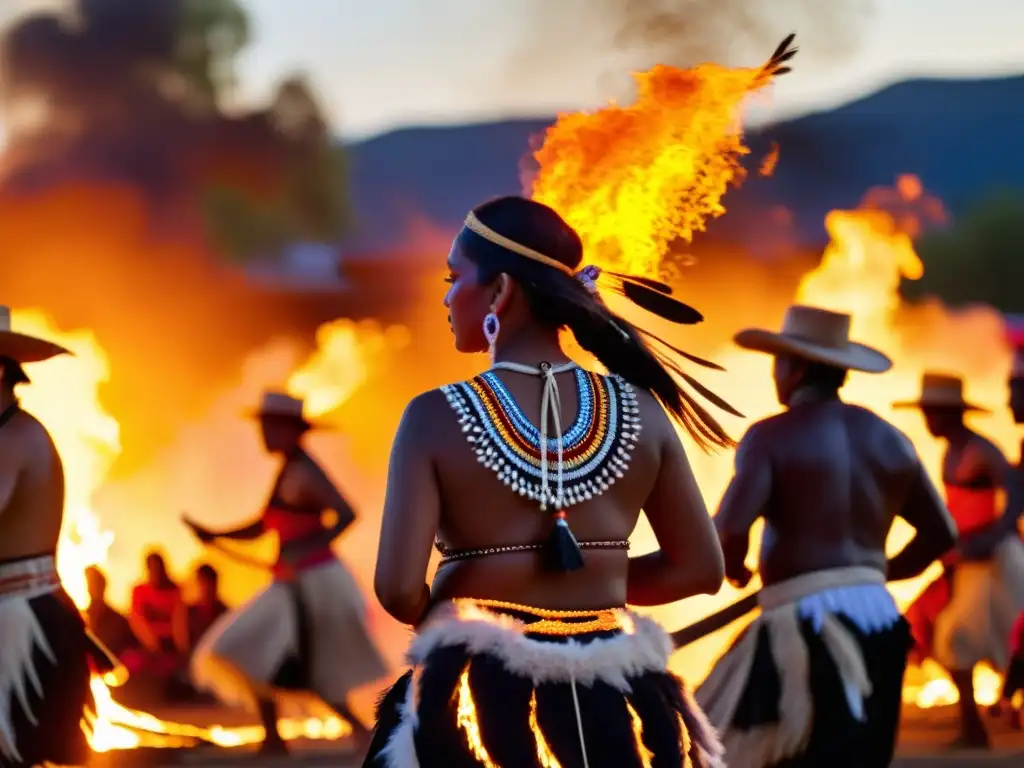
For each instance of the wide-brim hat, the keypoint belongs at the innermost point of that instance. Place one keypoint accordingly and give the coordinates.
(280, 405)
(939, 390)
(817, 335)
(22, 348)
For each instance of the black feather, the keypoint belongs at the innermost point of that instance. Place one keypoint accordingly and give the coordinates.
(703, 391)
(782, 54)
(654, 285)
(661, 305)
(708, 395)
(676, 350)
(781, 49)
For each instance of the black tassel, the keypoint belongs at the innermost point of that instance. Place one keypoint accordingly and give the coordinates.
(660, 304)
(561, 552)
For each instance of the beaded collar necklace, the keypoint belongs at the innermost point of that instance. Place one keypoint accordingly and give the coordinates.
(560, 470)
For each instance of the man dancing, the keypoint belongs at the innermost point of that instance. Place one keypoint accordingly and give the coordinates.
(966, 616)
(817, 678)
(45, 649)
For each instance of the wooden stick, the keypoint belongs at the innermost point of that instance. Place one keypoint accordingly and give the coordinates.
(716, 621)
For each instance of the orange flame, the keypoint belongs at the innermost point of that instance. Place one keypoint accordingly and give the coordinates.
(769, 161)
(632, 180)
(468, 721)
(545, 756)
(64, 395)
(870, 250)
(645, 755)
(346, 354)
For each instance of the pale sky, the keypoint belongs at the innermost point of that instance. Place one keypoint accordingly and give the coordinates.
(381, 63)
(377, 64)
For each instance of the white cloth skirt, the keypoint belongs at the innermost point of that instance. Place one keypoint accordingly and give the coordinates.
(985, 600)
(257, 638)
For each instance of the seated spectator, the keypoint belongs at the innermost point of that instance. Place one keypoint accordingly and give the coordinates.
(109, 626)
(194, 619)
(154, 603)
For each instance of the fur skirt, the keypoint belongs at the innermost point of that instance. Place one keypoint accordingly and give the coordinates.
(816, 679)
(496, 684)
(47, 658)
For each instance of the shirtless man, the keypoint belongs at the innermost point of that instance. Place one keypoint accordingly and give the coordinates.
(44, 646)
(971, 607)
(817, 678)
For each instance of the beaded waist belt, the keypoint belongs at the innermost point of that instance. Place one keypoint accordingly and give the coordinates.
(543, 621)
(28, 577)
(449, 555)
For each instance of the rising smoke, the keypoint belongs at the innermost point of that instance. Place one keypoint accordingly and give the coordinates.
(134, 93)
(119, 134)
(617, 36)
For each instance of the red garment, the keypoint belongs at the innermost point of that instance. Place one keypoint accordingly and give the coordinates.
(921, 616)
(156, 607)
(1017, 637)
(971, 508)
(294, 525)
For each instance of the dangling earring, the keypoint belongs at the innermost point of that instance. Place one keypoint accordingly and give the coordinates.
(492, 326)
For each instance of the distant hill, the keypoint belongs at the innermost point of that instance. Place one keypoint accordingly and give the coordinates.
(964, 138)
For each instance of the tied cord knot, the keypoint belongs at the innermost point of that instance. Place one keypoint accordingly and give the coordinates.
(562, 551)
(550, 411)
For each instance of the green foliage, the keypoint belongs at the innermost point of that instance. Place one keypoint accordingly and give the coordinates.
(312, 206)
(309, 197)
(211, 34)
(979, 259)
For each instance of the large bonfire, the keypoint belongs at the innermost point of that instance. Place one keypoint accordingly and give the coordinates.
(638, 180)
(65, 395)
(634, 180)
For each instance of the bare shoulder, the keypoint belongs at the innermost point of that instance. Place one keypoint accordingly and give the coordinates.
(881, 438)
(983, 449)
(656, 423)
(32, 439)
(762, 434)
(428, 417)
(305, 469)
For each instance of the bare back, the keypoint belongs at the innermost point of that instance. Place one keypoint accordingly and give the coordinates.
(478, 511)
(31, 489)
(839, 476)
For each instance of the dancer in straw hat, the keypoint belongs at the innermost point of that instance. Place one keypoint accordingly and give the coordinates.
(46, 653)
(965, 617)
(308, 629)
(816, 679)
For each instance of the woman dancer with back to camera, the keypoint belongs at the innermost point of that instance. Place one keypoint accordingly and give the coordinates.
(531, 477)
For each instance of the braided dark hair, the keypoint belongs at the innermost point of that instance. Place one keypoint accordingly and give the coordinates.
(559, 300)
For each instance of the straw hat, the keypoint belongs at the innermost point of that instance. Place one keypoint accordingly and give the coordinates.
(816, 335)
(22, 348)
(939, 390)
(280, 405)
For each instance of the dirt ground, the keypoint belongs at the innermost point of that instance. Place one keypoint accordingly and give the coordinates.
(921, 744)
